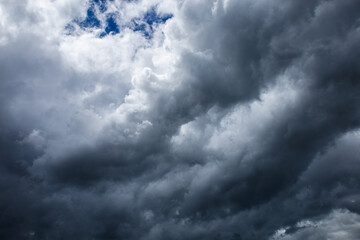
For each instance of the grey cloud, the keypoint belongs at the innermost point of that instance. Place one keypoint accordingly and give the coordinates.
(330, 227)
(136, 162)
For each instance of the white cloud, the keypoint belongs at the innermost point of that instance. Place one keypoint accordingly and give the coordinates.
(339, 224)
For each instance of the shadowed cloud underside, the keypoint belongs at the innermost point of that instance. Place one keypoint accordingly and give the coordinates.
(172, 120)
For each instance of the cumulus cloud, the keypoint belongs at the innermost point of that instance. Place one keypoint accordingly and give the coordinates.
(218, 119)
(340, 224)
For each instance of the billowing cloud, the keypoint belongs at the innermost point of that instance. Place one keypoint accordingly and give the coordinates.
(218, 119)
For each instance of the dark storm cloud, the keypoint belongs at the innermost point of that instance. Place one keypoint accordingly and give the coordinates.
(168, 163)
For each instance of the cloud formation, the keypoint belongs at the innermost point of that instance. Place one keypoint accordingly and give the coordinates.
(218, 119)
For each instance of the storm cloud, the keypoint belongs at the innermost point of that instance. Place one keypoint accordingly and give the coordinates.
(190, 119)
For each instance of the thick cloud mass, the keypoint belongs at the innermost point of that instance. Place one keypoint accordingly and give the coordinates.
(190, 119)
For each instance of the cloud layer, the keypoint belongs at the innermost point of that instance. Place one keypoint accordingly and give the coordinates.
(218, 119)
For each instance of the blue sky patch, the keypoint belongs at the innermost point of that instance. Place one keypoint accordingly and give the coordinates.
(150, 19)
(100, 3)
(91, 20)
(142, 27)
(145, 24)
(111, 25)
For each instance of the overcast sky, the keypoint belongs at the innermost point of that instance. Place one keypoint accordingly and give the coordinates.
(179, 119)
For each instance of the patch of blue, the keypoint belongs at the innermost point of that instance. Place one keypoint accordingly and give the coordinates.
(111, 25)
(103, 34)
(145, 24)
(150, 19)
(142, 27)
(100, 3)
(91, 20)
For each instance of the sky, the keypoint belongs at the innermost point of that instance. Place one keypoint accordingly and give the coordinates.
(179, 119)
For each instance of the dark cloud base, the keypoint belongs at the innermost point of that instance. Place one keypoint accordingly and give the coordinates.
(303, 165)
